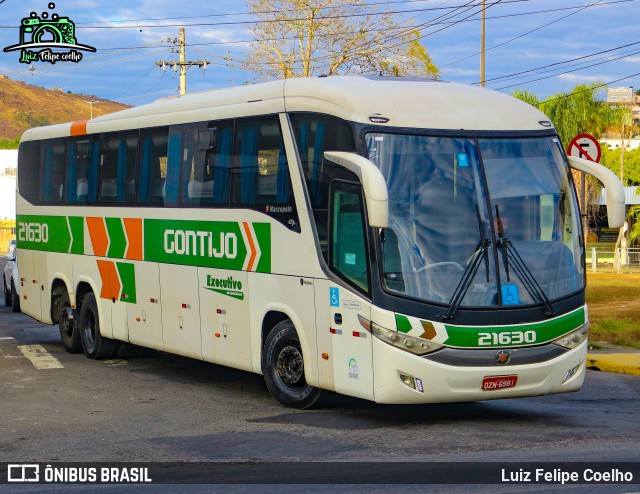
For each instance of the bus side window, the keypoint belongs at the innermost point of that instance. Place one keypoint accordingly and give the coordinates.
(261, 178)
(175, 157)
(28, 164)
(152, 171)
(52, 169)
(81, 164)
(205, 177)
(315, 134)
(118, 162)
(348, 252)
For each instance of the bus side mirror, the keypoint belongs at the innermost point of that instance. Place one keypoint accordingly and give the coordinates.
(614, 190)
(373, 183)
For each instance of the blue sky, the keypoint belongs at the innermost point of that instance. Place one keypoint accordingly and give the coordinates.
(527, 35)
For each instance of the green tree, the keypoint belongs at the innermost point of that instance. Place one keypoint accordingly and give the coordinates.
(527, 97)
(634, 221)
(303, 38)
(577, 112)
(581, 111)
(611, 159)
(9, 143)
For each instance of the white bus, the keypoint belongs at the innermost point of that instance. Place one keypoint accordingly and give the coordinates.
(396, 240)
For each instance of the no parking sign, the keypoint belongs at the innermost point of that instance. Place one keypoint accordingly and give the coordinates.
(585, 146)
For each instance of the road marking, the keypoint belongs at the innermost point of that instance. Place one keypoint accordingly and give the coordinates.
(39, 357)
(116, 362)
(7, 338)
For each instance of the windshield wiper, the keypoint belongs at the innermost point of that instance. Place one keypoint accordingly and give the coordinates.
(511, 255)
(481, 253)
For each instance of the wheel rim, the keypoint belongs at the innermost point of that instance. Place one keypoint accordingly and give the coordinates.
(290, 367)
(90, 330)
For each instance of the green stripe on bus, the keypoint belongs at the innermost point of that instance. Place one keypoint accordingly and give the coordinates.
(128, 278)
(76, 224)
(402, 323)
(211, 244)
(263, 234)
(117, 239)
(545, 331)
(47, 233)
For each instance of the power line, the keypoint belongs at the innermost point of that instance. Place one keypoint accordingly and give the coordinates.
(95, 25)
(567, 71)
(528, 32)
(509, 76)
(592, 88)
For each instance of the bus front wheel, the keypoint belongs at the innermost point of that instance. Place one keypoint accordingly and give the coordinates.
(283, 368)
(95, 345)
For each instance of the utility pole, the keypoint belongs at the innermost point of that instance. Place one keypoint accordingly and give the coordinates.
(182, 64)
(482, 47)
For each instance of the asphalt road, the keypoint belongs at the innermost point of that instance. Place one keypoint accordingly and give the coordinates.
(163, 408)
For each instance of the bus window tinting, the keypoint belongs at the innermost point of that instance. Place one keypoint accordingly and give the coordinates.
(118, 160)
(28, 164)
(152, 169)
(82, 153)
(187, 165)
(52, 171)
(260, 171)
(315, 134)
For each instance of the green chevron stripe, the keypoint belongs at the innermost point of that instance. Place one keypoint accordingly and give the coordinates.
(76, 224)
(117, 238)
(128, 278)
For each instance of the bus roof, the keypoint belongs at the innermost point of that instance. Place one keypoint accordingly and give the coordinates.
(414, 103)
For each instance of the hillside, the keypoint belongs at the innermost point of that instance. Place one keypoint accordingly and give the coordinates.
(23, 106)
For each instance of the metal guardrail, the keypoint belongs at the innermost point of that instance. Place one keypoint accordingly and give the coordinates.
(613, 260)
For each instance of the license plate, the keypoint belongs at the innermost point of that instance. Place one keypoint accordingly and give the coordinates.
(498, 382)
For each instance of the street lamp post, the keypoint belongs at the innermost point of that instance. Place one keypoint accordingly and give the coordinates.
(91, 103)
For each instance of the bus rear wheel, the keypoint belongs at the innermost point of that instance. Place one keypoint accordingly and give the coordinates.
(283, 368)
(95, 345)
(69, 332)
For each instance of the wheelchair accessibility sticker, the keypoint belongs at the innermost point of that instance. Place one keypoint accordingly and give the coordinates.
(334, 297)
(510, 294)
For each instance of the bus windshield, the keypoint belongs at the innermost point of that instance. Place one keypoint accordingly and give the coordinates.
(478, 222)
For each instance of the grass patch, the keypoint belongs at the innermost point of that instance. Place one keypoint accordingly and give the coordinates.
(614, 308)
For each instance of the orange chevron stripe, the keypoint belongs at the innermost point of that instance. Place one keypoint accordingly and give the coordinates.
(252, 246)
(99, 237)
(133, 228)
(110, 282)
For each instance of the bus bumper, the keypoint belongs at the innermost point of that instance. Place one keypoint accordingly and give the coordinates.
(397, 371)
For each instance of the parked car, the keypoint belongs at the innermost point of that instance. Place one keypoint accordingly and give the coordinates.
(11, 282)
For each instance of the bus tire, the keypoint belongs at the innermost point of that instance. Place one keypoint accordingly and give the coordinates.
(283, 368)
(95, 345)
(69, 332)
(15, 299)
(7, 295)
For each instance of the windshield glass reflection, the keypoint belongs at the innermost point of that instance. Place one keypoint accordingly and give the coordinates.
(442, 219)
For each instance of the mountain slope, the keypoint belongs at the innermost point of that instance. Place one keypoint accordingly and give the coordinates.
(23, 106)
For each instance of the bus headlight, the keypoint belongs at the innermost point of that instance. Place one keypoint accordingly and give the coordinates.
(574, 338)
(411, 344)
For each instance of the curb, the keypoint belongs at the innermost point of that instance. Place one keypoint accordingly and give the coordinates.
(621, 363)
